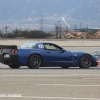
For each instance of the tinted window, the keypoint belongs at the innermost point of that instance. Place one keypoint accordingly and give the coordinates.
(51, 47)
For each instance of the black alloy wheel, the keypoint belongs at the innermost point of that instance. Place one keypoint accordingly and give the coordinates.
(85, 61)
(35, 61)
(14, 66)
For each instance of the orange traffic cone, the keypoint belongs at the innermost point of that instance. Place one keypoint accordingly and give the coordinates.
(98, 61)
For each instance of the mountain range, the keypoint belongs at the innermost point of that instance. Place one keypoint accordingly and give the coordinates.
(37, 14)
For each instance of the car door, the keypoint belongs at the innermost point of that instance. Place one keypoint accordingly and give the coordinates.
(56, 56)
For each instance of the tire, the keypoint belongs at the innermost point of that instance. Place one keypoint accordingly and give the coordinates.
(65, 67)
(34, 62)
(85, 61)
(14, 66)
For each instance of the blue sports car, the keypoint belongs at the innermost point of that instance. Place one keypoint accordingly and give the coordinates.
(44, 54)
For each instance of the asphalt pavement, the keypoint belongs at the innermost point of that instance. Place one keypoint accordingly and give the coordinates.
(50, 83)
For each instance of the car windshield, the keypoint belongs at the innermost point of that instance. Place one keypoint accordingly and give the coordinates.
(28, 45)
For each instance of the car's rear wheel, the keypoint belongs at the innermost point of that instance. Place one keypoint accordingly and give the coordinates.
(35, 61)
(14, 66)
(85, 61)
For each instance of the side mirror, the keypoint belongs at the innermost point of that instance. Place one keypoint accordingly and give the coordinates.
(63, 50)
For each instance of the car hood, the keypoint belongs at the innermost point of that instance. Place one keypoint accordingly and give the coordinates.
(82, 53)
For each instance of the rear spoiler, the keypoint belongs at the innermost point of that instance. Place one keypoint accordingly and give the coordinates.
(8, 46)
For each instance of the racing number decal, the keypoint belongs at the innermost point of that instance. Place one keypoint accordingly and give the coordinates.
(40, 46)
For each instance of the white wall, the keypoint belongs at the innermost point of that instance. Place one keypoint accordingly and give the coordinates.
(61, 42)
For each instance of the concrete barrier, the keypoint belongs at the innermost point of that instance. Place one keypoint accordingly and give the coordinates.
(61, 42)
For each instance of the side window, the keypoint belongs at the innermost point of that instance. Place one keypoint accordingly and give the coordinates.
(51, 47)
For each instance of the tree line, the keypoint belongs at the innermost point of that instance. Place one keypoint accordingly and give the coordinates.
(26, 34)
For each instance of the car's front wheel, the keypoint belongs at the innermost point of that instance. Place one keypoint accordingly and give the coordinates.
(35, 61)
(14, 66)
(85, 61)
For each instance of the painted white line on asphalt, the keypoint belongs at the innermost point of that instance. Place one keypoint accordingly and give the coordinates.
(61, 98)
(69, 85)
(65, 75)
(92, 78)
(38, 97)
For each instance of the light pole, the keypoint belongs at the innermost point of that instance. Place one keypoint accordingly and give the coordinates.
(87, 29)
(75, 27)
(58, 29)
(80, 26)
(6, 28)
(41, 23)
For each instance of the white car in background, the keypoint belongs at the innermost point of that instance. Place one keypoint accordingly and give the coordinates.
(96, 54)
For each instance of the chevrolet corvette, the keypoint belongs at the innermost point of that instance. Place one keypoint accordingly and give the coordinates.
(44, 54)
